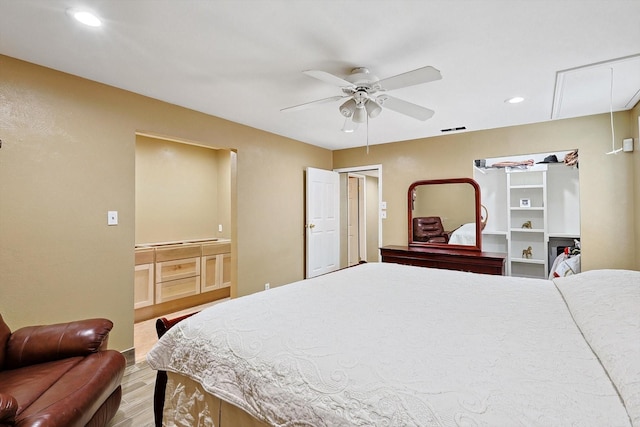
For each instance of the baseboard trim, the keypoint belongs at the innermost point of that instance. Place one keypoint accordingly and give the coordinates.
(130, 356)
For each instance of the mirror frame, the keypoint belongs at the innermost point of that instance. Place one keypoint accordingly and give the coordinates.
(476, 187)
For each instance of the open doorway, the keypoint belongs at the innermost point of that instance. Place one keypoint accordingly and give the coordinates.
(361, 224)
(183, 229)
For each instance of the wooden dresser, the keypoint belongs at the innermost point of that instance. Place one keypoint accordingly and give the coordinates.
(448, 259)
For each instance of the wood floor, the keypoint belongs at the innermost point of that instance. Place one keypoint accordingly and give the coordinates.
(136, 408)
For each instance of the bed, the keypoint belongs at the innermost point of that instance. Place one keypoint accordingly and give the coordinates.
(464, 235)
(384, 344)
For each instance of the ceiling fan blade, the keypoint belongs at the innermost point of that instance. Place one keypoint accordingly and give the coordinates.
(328, 78)
(403, 107)
(411, 78)
(314, 103)
(349, 125)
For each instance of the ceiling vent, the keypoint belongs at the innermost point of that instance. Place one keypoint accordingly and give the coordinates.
(453, 129)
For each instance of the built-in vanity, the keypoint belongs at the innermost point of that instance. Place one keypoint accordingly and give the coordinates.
(445, 229)
(171, 276)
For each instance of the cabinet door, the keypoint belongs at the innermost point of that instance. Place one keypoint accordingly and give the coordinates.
(143, 286)
(225, 273)
(210, 273)
(216, 272)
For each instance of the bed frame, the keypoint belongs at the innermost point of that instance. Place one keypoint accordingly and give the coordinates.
(162, 326)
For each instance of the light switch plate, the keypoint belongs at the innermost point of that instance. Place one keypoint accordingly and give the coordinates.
(383, 205)
(383, 214)
(112, 218)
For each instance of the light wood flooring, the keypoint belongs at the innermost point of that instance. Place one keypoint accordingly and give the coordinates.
(136, 408)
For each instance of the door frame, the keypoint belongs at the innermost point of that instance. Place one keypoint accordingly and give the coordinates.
(368, 168)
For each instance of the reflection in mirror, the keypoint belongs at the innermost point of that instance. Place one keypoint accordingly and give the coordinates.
(533, 201)
(443, 213)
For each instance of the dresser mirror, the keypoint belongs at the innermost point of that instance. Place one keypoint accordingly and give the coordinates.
(445, 213)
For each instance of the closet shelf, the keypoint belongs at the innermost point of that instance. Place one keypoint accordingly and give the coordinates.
(534, 208)
(528, 260)
(527, 230)
(526, 186)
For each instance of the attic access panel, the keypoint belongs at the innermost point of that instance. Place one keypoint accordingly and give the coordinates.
(588, 90)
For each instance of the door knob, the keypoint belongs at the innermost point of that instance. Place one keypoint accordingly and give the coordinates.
(311, 225)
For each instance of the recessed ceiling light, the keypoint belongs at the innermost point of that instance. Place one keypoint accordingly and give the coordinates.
(87, 18)
(514, 100)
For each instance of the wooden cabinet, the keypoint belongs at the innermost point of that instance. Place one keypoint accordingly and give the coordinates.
(216, 266)
(173, 276)
(448, 259)
(143, 286)
(177, 272)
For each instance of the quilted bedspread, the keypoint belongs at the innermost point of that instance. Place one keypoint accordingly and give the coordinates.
(391, 345)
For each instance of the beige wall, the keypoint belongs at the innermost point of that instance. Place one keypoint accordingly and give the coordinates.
(608, 187)
(635, 133)
(68, 156)
(176, 191)
(373, 209)
(224, 169)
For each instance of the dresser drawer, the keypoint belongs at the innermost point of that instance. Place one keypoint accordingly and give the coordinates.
(178, 252)
(177, 269)
(144, 256)
(216, 248)
(175, 289)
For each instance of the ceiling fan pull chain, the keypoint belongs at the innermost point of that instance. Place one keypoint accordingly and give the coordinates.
(367, 134)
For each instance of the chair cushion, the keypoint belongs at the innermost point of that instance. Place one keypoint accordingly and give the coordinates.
(75, 398)
(27, 384)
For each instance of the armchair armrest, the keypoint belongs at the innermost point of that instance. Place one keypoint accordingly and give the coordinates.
(38, 344)
(8, 409)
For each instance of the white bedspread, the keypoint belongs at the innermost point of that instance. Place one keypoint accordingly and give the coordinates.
(464, 235)
(390, 345)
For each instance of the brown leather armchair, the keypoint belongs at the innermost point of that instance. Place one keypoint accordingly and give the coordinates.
(429, 229)
(59, 375)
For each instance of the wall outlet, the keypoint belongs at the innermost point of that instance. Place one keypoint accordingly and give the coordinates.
(267, 286)
(220, 228)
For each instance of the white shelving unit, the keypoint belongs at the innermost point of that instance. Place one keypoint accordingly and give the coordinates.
(527, 204)
(554, 211)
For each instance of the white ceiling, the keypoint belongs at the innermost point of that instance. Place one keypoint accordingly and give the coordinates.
(243, 60)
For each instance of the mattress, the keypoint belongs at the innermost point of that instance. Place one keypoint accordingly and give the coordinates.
(393, 345)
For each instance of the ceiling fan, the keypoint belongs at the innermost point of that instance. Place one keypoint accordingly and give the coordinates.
(367, 94)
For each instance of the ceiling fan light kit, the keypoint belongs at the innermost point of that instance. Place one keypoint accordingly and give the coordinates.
(361, 87)
(348, 108)
(373, 109)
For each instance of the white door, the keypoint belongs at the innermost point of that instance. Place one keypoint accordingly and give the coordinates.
(322, 222)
